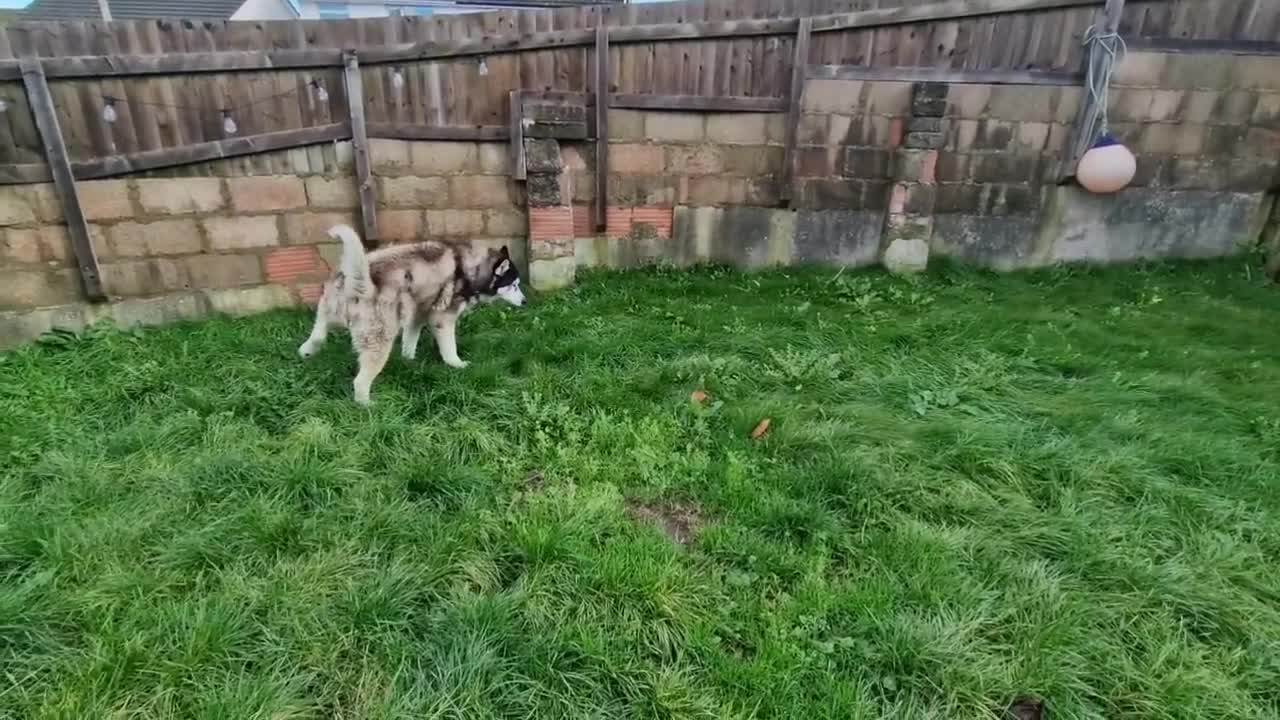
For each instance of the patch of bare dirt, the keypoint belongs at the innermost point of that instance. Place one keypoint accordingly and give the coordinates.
(680, 521)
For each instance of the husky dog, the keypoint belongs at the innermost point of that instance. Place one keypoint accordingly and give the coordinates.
(399, 289)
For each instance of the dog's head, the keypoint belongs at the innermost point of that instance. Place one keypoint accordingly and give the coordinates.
(504, 280)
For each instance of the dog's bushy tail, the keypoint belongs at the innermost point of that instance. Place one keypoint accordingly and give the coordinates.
(355, 266)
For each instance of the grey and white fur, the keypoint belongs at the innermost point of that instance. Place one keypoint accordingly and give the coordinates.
(397, 290)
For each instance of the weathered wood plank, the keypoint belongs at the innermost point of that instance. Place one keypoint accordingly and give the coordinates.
(516, 121)
(795, 94)
(928, 74)
(213, 150)
(1181, 45)
(697, 103)
(360, 148)
(37, 87)
(600, 83)
(411, 131)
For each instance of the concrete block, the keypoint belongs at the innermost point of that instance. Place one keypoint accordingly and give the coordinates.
(1198, 71)
(339, 192)
(1000, 242)
(36, 288)
(455, 223)
(717, 190)
(414, 192)
(179, 197)
(833, 96)
(480, 191)
(775, 128)
(846, 238)
(958, 198)
(825, 194)
(150, 276)
(695, 159)
(312, 228)
(1031, 136)
(546, 190)
(626, 125)
(751, 160)
(248, 301)
(542, 155)
(888, 98)
(43, 199)
(812, 129)
(1256, 72)
(869, 162)
(1200, 106)
(43, 244)
(738, 128)
(1022, 103)
(265, 193)
(493, 158)
(505, 223)
(1234, 107)
(236, 233)
(14, 208)
(636, 159)
(1267, 111)
(967, 101)
(161, 237)
(1143, 224)
(674, 127)
(552, 274)
(223, 271)
(400, 225)
(907, 256)
(1139, 69)
(444, 157)
(107, 199)
(389, 157)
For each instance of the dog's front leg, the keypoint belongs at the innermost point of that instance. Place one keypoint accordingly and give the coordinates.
(443, 328)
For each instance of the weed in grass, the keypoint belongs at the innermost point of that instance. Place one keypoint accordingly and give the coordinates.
(976, 492)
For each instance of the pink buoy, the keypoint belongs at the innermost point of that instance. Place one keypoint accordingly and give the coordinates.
(1107, 167)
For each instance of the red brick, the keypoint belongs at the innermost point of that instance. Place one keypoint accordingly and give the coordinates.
(659, 217)
(310, 293)
(290, 264)
(929, 167)
(550, 223)
(897, 130)
(617, 221)
(898, 201)
(582, 222)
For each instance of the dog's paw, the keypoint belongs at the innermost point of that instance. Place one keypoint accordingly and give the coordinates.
(306, 351)
(457, 364)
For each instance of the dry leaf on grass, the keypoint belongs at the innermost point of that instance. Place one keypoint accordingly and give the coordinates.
(698, 396)
(761, 428)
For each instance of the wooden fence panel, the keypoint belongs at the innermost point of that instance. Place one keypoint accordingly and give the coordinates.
(166, 111)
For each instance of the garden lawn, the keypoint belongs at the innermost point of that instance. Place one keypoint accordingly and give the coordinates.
(974, 489)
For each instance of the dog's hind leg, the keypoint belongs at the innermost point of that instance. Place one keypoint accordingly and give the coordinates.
(410, 331)
(409, 340)
(444, 327)
(372, 359)
(319, 333)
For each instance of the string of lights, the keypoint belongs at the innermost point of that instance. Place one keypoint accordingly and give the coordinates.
(229, 126)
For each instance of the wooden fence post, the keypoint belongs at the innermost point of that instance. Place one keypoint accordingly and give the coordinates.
(1082, 136)
(601, 83)
(795, 95)
(518, 169)
(55, 152)
(360, 146)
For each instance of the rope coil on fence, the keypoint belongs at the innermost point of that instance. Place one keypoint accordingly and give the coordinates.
(1105, 50)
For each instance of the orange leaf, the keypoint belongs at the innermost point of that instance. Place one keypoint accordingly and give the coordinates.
(698, 396)
(761, 428)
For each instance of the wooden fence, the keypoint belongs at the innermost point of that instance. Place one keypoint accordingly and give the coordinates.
(95, 99)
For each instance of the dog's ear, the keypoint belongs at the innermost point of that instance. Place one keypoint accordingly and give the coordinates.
(503, 254)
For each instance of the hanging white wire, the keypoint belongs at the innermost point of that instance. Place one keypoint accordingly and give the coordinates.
(1105, 50)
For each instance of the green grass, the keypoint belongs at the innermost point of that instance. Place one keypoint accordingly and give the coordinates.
(975, 488)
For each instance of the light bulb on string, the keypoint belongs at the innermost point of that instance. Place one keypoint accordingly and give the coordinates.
(4, 105)
(397, 79)
(321, 94)
(228, 123)
(109, 110)
(484, 67)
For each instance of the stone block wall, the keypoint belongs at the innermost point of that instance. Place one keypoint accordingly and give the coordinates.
(215, 234)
